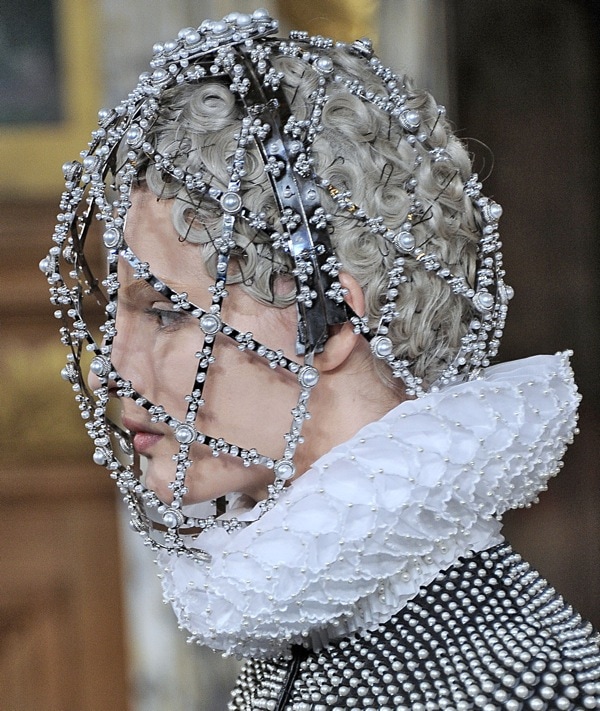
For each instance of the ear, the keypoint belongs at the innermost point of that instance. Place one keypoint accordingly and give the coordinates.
(342, 340)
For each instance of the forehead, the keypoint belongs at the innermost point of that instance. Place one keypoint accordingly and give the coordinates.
(149, 223)
(151, 234)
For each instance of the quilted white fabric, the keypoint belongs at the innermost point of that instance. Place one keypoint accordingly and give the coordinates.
(356, 536)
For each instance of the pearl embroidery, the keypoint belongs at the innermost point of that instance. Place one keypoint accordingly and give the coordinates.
(487, 634)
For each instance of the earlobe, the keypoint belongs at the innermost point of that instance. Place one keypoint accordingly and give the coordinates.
(342, 340)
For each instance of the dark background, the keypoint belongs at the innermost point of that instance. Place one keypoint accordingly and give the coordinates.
(526, 78)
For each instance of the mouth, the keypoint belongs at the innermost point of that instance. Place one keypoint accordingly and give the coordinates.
(143, 442)
(144, 439)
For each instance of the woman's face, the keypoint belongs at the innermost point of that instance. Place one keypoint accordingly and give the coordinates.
(245, 401)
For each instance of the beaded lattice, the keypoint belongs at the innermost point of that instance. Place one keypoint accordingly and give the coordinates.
(237, 50)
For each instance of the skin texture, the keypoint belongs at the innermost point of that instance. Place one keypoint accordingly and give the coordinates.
(246, 402)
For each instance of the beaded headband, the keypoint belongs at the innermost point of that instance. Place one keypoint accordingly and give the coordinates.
(237, 51)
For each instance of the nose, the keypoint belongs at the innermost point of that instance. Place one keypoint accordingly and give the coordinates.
(124, 357)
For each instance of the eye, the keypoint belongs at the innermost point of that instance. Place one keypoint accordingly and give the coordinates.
(166, 318)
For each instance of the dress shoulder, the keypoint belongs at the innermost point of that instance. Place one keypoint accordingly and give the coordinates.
(488, 633)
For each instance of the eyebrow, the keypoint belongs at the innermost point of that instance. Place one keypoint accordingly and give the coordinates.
(140, 290)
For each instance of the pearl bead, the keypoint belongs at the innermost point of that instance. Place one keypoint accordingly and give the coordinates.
(483, 300)
(100, 366)
(261, 15)
(99, 457)
(112, 238)
(210, 324)
(231, 202)
(284, 469)
(192, 37)
(381, 346)
(135, 135)
(324, 64)
(308, 376)
(185, 434)
(172, 518)
(219, 27)
(405, 241)
(492, 212)
(410, 119)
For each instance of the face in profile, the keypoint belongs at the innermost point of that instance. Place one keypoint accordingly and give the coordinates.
(158, 348)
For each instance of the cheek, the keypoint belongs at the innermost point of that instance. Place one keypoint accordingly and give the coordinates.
(174, 365)
(273, 327)
(210, 477)
(207, 478)
(247, 402)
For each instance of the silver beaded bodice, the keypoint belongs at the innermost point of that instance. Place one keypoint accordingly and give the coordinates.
(487, 634)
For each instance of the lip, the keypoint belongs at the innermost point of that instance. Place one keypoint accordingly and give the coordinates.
(143, 438)
(143, 442)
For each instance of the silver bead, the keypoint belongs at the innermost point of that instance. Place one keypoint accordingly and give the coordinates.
(100, 366)
(382, 346)
(308, 376)
(112, 238)
(185, 434)
(210, 324)
(363, 46)
(231, 202)
(284, 469)
(172, 518)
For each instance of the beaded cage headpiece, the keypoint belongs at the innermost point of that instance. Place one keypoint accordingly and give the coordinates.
(238, 52)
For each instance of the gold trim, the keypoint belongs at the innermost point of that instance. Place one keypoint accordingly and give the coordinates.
(345, 20)
(31, 156)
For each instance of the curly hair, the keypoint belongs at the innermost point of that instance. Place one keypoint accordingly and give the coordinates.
(360, 148)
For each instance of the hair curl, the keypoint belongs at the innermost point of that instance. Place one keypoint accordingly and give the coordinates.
(361, 149)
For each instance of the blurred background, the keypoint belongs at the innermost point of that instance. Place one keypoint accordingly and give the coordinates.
(82, 626)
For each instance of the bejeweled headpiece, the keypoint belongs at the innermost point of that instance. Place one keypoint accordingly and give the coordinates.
(239, 53)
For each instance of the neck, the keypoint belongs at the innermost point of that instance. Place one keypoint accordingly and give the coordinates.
(346, 399)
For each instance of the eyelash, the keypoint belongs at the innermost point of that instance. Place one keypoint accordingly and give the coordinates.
(167, 319)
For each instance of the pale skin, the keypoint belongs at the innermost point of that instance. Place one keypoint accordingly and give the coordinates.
(246, 402)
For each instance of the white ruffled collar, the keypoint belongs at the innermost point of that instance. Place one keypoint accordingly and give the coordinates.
(376, 518)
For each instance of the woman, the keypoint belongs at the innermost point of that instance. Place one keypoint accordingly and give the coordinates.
(304, 291)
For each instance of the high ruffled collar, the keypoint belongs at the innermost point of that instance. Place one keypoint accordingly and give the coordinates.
(356, 536)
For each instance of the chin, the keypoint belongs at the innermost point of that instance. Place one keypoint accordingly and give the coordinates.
(157, 482)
